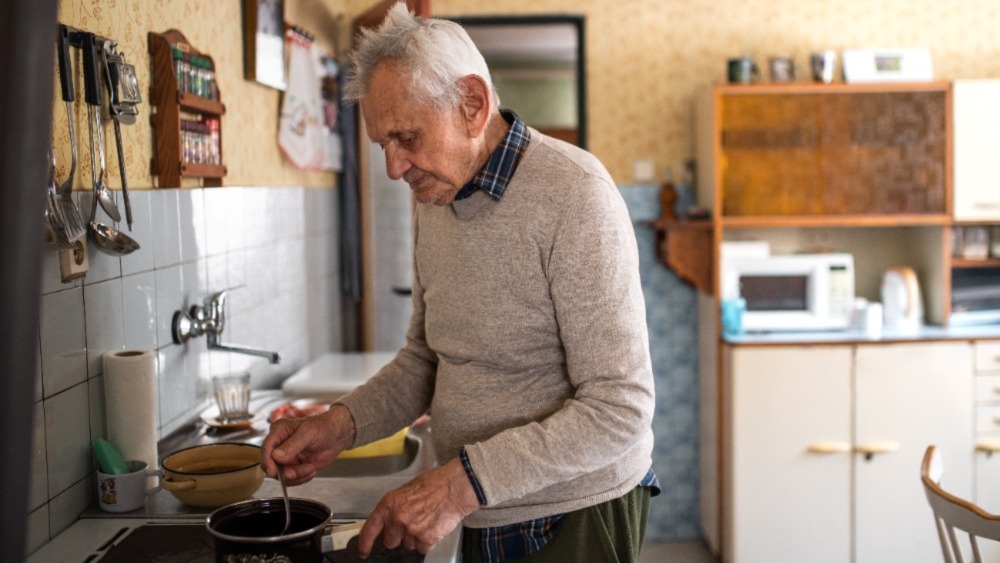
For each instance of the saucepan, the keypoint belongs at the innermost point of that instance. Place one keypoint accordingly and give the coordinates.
(251, 531)
(213, 475)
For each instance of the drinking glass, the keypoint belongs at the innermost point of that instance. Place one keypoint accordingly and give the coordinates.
(232, 395)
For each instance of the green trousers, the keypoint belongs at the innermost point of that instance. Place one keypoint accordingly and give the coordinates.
(610, 532)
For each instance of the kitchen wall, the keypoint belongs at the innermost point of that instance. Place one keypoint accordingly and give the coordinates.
(648, 59)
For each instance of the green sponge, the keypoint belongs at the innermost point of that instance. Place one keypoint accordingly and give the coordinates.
(109, 458)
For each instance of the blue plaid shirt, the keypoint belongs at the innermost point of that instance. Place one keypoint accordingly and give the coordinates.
(499, 169)
(516, 540)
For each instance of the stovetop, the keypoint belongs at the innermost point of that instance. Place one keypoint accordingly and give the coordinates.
(192, 543)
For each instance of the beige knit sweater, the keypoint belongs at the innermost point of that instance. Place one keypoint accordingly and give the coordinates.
(528, 341)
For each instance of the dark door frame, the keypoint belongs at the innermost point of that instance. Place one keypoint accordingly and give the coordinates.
(27, 41)
(577, 21)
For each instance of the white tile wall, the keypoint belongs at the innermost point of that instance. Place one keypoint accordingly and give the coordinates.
(276, 247)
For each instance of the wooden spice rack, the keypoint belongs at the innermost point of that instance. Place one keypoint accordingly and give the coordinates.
(169, 101)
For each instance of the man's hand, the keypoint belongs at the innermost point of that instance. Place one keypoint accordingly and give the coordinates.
(302, 446)
(422, 512)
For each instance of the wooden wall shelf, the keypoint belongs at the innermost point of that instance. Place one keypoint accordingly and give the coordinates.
(688, 249)
(172, 105)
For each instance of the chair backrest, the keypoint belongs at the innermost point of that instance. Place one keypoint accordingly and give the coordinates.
(952, 513)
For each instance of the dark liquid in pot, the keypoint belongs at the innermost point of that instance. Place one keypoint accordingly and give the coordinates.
(266, 524)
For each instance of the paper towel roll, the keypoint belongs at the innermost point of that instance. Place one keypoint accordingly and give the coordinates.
(130, 397)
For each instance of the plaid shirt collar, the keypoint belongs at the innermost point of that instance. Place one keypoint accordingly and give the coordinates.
(499, 169)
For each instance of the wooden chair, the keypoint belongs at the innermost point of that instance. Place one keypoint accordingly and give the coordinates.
(951, 513)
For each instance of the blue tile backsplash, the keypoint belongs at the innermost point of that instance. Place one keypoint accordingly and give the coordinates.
(672, 319)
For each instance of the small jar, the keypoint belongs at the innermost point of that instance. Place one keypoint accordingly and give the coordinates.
(977, 243)
(995, 241)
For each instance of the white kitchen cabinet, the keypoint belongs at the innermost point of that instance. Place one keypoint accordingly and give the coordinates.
(800, 419)
(976, 123)
(785, 503)
(987, 407)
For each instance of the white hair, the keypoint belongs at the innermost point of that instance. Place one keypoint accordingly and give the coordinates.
(438, 53)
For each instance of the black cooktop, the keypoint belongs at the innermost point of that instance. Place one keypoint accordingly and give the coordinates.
(191, 543)
(164, 543)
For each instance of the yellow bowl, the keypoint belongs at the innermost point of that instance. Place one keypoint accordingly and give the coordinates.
(393, 445)
(214, 474)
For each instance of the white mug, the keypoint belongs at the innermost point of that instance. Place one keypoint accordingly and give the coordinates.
(126, 492)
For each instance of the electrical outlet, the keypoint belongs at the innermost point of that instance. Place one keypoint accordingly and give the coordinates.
(73, 264)
(643, 170)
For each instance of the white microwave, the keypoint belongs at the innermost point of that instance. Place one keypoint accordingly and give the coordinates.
(792, 291)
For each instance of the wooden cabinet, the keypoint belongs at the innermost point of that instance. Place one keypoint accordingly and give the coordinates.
(187, 114)
(825, 167)
(824, 446)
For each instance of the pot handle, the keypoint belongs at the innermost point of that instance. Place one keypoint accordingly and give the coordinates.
(172, 486)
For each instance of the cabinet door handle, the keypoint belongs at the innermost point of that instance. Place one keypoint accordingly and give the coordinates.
(870, 449)
(989, 446)
(829, 447)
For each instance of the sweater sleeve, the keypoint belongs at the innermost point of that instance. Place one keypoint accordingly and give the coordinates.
(402, 390)
(593, 275)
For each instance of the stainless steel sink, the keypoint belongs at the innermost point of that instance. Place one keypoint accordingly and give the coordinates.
(374, 466)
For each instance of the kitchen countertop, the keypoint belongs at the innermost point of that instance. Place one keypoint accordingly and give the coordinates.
(348, 497)
(927, 332)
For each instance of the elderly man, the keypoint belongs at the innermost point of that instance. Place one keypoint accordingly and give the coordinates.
(528, 340)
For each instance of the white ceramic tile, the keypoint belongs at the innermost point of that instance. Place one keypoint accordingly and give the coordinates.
(166, 227)
(139, 307)
(38, 529)
(260, 219)
(236, 219)
(217, 212)
(217, 273)
(101, 266)
(105, 322)
(169, 299)
(239, 298)
(67, 437)
(293, 211)
(142, 231)
(171, 381)
(66, 508)
(63, 341)
(39, 489)
(98, 408)
(197, 372)
(191, 220)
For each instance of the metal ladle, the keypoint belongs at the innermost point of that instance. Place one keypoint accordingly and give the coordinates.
(288, 508)
(108, 239)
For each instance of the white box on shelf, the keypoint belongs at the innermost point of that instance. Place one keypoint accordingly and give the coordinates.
(887, 65)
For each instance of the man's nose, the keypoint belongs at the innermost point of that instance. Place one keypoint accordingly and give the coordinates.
(396, 164)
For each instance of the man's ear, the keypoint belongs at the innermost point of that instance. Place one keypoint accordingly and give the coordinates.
(476, 101)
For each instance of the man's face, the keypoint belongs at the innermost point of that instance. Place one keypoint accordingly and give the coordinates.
(430, 148)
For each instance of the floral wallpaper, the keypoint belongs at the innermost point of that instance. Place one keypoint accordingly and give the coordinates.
(647, 60)
(250, 124)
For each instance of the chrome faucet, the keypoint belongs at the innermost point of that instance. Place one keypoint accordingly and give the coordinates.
(210, 320)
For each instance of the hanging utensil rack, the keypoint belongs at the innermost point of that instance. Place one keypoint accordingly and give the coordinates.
(172, 106)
